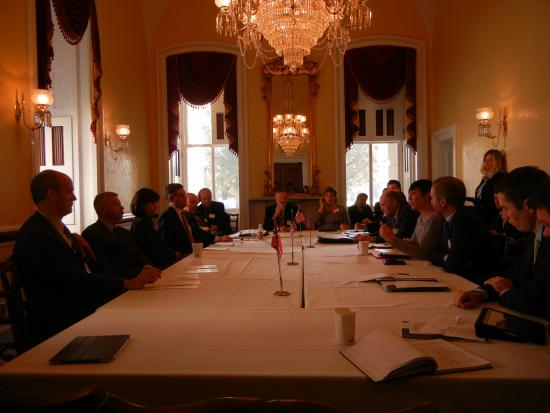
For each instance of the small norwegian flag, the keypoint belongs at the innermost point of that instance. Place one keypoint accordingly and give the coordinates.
(276, 242)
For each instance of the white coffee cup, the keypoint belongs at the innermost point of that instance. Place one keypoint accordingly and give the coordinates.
(363, 247)
(344, 325)
(197, 249)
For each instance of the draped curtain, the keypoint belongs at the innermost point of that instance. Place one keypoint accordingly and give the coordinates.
(380, 72)
(199, 78)
(73, 17)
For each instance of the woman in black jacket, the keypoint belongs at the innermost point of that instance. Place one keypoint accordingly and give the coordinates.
(144, 206)
(492, 169)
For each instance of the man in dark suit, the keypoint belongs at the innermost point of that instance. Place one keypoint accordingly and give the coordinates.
(398, 215)
(173, 228)
(464, 245)
(201, 232)
(213, 213)
(116, 253)
(526, 287)
(59, 290)
(280, 212)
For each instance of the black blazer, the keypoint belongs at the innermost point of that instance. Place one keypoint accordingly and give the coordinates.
(116, 253)
(270, 210)
(356, 216)
(471, 254)
(406, 221)
(172, 232)
(485, 204)
(214, 214)
(59, 290)
(199, 235)
(531, 291)
(148, 240)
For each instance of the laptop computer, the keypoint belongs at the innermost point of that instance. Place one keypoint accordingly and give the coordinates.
(91, 349)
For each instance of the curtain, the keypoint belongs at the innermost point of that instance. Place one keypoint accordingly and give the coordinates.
(380, 72)
(199, 78)
(73, 17)
(44, 48)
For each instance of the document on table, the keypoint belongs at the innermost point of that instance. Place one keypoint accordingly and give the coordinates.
(395, 276)
(184, 282)
(216, 248)
(443, 325)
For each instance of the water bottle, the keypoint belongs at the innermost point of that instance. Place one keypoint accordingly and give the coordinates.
(260, 231)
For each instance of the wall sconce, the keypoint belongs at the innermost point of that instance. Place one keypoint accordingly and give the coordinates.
(41, 116)
(484, 115)
(120, 141)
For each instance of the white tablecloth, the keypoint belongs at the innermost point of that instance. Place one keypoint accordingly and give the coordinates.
(232, 337)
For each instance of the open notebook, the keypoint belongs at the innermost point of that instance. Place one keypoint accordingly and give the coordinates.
(383, 355)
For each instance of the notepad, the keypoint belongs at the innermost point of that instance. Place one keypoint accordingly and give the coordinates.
(411, 286)
(383, 355)
(388, 253)
(91, 349)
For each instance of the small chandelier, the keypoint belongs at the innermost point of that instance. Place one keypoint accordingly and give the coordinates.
(289, 130)
(291, 27)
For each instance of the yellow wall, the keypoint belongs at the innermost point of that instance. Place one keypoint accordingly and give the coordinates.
(493, 53)
(15, 156)
(125, 95)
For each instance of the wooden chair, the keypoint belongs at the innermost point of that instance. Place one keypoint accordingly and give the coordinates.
(234, 222)
(85, 400)
(114, 404)
(13, 294)
(299, 406)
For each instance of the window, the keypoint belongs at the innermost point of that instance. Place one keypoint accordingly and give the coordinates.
(369, 167)
(204, 154)
(377, 153)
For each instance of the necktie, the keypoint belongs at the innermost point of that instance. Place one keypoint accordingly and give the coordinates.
(186, 226)
(538, 241)
(447, 233)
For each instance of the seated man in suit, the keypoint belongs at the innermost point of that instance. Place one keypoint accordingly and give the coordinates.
(526, 287)
(173, 228)
(280, 212)
(428, 224)
(59, 290)
(213, 213)
(201, 231)
(464, 245)
(116, 252)
(398, 215)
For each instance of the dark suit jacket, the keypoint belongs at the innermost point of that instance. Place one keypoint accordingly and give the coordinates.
(471, 254)
(148, 240)
(357, 216)
(531, 291)
(59, 290)
(270, 210)
(406, 221)
(485, 204)
(214, 214)
(116, 253)
(199, 235)
(172, 232)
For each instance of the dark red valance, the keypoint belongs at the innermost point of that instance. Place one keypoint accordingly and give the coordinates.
(44, 48)
(73, 17)
(199, 78)
(380, 72)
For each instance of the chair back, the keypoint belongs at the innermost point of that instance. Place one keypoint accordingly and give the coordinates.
(13, 294)
(234, 222)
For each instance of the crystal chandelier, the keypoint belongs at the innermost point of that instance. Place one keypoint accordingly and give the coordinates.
(291, 27)
(289, 130)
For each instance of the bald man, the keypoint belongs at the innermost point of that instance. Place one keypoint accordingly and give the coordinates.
(59, 290)
(201, 231)
(117, 254)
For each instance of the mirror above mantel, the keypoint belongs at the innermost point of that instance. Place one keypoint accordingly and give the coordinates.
(295, 92)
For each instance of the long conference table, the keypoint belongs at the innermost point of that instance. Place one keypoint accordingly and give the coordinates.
(230, 336)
